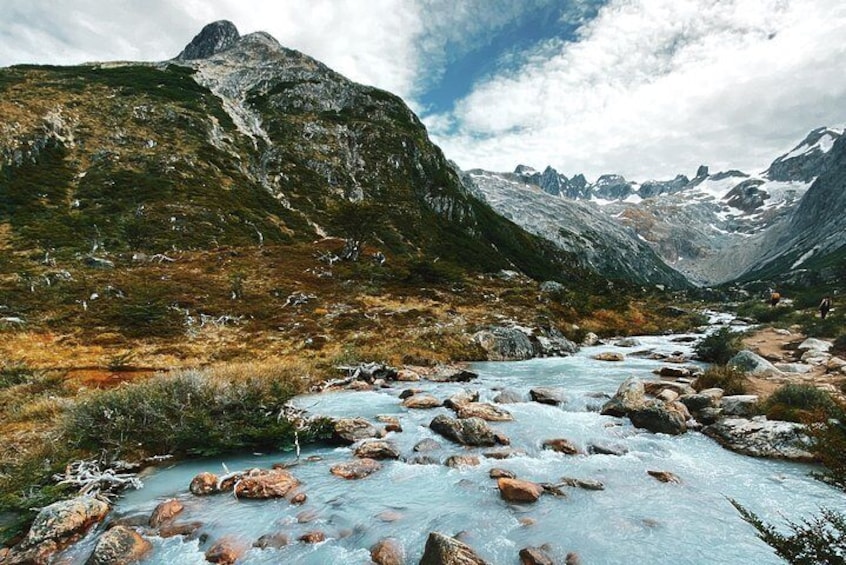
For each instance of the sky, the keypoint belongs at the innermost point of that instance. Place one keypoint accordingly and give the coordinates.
(644, 88)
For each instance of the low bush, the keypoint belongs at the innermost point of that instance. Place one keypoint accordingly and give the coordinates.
(763, 313)
(838, 347)
(800, 403)
(191, 412)
(718, 347)
(731, 379)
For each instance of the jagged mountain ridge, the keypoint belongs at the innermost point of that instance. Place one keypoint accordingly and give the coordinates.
(236, 141)
(712, 228)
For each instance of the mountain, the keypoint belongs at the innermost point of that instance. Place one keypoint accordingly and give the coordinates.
(237, 141)
(713, 228)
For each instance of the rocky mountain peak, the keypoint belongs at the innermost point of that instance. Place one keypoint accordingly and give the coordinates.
(213, 38)
(807, 160)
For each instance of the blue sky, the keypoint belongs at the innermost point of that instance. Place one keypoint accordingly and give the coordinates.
(644, 88)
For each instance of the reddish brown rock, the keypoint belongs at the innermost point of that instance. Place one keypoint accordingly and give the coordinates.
(377, 449)
(515, 490)
(61, 523)
(313, 537)
(388, 551)
(265, 483)
(226, 551)
(665, 476)
(535, 556)
(299, 498)
(204, 483)
(357, 469)
(444, 550)
(119, 546)
(497, 473)
(562, 445)
(165, 512)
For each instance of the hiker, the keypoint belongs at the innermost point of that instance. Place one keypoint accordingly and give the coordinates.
(825, 306)
(774, 298)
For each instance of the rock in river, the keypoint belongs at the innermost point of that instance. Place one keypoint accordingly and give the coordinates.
(377, 449)
(760, 437)
(119, 546)
(485, 411)
(468, 431)
(444, 550)
(357, 469)
(515, 490)
(265, 483)
(350, 430)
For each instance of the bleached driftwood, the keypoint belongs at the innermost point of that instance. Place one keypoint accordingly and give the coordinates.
(93, 477)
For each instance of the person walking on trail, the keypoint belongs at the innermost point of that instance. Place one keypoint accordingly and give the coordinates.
(774, 298)
(825, 306)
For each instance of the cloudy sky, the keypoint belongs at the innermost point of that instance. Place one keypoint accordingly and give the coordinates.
(645, 88)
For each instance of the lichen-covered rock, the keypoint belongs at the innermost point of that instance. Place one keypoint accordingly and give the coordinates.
(354, 470)
(485, 411)
(204, 483)
(119, 546)
(265, 483)
(468, 431)
(760, 437)
(515, 490)
(629, 396)
(65, 521)
(377, 449)
(444, 550)
(350, 430)
(505, 344)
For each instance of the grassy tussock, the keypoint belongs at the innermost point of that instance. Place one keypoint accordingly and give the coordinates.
(801, 403)
(730, 379)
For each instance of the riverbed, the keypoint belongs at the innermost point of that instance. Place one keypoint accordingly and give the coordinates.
(635, 519)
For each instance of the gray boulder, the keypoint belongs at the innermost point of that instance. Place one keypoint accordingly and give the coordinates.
(760, 437)
(659, 417)
(740, 405)
(630, 396)
(753, 364)
(468, 431)
(350, 430)
(505, 344)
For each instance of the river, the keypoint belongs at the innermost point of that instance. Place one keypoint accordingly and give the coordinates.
(635, 519)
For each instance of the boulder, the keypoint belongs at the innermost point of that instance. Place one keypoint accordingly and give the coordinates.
(699, 401)
(387, 551)
(550, 342)
(753, 364)
(508, 396)
(185, 529)
(427, 444)
(226, 551)
(815, 357)
(64, 521)
(609, 356)
(204, 483)
(667, 395)
(535, 556)
(562, 445)
(422, 401)
(664, 476)
(497, 473)
(740, 405)
(586, 484)
(276, 540)
(628, 342)
(452, 374)
(504, 453)
(629, 396)
(548, 395)
(377, 449)
(516, 490)
(658, 417)
(347, 431)
(485, 411)
(604, 449)
(456, 461)
(813, 344)
(800, 368)
(357, 469)
(315, 536)
(408, 376)
(265, 483)
(760, 437)
(590, 339)
(165, 512)
(505, 344)
(468, 431)
(444, 550)
(655, 388)
(119, 546)
(461, 398)
(409, 392)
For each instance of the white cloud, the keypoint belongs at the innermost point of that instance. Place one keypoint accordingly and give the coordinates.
(656, 87)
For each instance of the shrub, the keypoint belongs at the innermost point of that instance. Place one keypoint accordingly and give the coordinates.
(731, 379)
(800, 403)
(191, 412)
(718, 347)
(763, 313)
(838, 347)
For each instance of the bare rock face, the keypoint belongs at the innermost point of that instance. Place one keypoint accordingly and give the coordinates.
(119, 546)
(213, 38)
(357, 469)
(444, 550)
(515, 490)
(388, 551)
(469, 431)
(265, 483)
(165, 512)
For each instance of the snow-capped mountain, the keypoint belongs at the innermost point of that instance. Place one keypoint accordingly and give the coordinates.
(712, 228)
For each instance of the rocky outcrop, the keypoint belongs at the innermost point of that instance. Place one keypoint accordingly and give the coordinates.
(760, 437)
(468, 431)
(444, 550)
(212, 39)
(505, 344)
(119, 546)
(740, 405)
